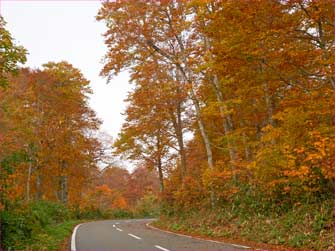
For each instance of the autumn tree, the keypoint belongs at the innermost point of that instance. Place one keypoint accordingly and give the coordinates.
(10, 54)
(141, 183)
(115, 178)
(53, 128)
(159, 32)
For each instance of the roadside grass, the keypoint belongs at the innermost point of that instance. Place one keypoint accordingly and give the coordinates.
(52, 237)
(302, 227)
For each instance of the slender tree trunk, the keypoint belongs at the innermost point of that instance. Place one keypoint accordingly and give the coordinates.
(226, 121)
(181, 146)
(178, 128)
(200, 121)
(55, 184)
(65, 190)
(247, 150)
(202, 129)
(28, 180)
(63, 181)
(268, 97)
(203, 132)
(39, 193)
(160, 175)
(159, 165)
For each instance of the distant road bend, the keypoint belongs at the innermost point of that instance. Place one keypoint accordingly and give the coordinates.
(124, 235)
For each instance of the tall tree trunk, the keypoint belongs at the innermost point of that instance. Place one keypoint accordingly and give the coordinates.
(202, 129)
(268, 97)
(160, 175)
(247, 151)
(55, 187)
(28, 179)
(227, 122)
(203, 132)
(31, 156)
(63, 184)
(178, 128)
(65, 190)
(200, 121)
(62, 189)
(39, 192)
(159, 164)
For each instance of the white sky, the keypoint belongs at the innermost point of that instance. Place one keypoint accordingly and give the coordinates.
(67, 30)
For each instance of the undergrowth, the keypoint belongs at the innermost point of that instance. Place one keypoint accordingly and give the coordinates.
(302, 226)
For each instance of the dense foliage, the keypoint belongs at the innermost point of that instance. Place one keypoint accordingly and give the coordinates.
(232, 102)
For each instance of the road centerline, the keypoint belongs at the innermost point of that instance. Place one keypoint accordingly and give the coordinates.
(101, 235)
(134, 236)
(161, 248)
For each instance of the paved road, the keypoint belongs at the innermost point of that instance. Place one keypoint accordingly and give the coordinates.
(122, 235)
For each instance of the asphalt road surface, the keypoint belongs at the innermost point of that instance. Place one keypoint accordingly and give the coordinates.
(122, 235)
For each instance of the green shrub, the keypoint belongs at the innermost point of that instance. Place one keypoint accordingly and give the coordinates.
(148, 206)
(121, 214)
(47, 212)
(91, 213)
(21, 222)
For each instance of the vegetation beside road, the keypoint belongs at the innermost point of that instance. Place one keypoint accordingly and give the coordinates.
(307, 226)
(39, 225)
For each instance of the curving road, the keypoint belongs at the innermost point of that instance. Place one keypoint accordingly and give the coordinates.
(122, 235)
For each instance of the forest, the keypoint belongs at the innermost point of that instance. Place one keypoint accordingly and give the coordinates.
(229, 122)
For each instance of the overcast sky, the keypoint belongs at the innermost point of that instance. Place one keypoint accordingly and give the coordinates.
(67, 30)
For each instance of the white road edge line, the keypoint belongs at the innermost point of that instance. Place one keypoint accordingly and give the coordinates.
(73, 238)
(161, 248)
(134, 236)
(239, 246)
(118, 229)
(183, 235)
(113, 225)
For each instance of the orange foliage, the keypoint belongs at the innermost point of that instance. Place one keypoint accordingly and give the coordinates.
(257, 85)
